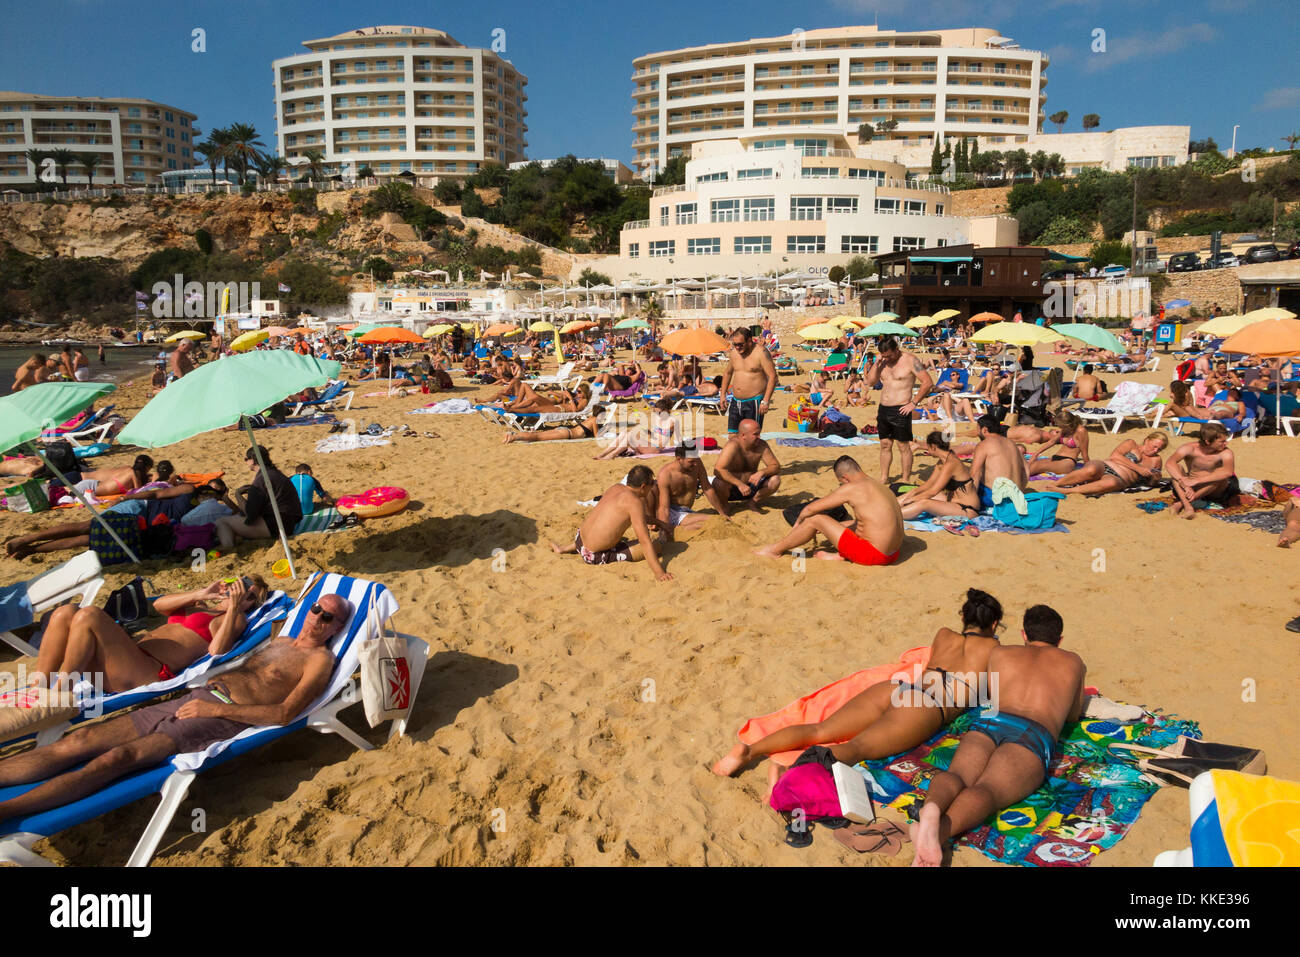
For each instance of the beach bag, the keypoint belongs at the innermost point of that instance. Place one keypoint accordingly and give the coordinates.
(844, 430)
(385, 674)
(27, 496)
(808, 787)
(188, 537)
(128, 604)
(1041, 515)
(1182, 761)
(62, 456)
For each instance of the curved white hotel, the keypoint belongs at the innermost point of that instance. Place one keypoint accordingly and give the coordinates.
(400, 99)
(936, 84)
(764, 203)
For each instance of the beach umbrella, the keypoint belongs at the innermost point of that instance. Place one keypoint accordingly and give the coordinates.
(187, 334)
(922, 322)
(821, 331)
(986, 317)
(542, 326)
(1226, 325)
(813, 321)
(439, 330)
(887, 329)
(25, 415)
(943, 314)
(1178, 303)
(1017, 334)
(576, 325)
(500, 329)
(357, 331)
(1270, 312)
(696, 342)
(277, 331)
(633, 323)
(883, 317)
(1093, 335)
(390, 334)
(1268, 339)
(224, 393)
(248, 340)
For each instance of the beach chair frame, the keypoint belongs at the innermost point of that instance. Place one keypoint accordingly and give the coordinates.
(83, 578)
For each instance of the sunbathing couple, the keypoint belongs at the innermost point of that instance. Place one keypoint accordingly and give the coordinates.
(528, 401)
(1026, 695)
(273, 687)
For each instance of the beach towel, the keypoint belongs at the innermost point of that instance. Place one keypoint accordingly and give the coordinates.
(323, 419)
(985, 523)
(1272, 522)
(830, 441)
(1090, 800)
(349, 443)
(1004, 489)
(445, 407)
(319, 521)
(826, 701)
(1252, 818)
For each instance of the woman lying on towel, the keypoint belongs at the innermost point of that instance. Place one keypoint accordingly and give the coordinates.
(205, 621)
(531, 401)
(888, 718)
(1068, 434)
(948, 491)
(587, 429)
(1130, 464)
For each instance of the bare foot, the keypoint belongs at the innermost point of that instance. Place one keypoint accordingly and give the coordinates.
(828, 556)
(734, 760)
(925, 835)
(767, 551)
(563, 550)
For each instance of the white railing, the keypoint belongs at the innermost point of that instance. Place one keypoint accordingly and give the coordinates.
(664, 190)
(189, 189)
(637, 224)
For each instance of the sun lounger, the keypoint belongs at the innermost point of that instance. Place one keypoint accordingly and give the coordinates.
(561, 376)
(1234, 426)
(1132, 400)
(91, 430)
(77, 576)
(333, 398)
(373, 606)
(631, 391)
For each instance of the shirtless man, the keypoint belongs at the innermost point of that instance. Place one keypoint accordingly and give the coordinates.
(898, 373)
(80, 365)
(680, 483)
(1005, 755)
(600, 540)
(1087, 387)
(996, 457)
(747, 469)
(272, 688)
(750, 378)
(29, 373)
(873, 538)
(1202, 469)
(181, 363)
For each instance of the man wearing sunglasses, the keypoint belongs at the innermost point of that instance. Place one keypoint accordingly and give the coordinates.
(275, 685)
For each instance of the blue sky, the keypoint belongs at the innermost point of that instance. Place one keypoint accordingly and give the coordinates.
(1208, 65)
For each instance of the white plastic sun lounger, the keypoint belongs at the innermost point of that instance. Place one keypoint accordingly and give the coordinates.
(77, 576)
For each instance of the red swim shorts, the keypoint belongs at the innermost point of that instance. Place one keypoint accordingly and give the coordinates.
(862, 552)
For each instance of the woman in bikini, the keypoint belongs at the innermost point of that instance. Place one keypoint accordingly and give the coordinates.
(588, 429)
(662, 435)
(948, 491)
(200, 622)
(1128, 465)
(531, 401)
(1069, 434)
(119, 481)
(888, 718)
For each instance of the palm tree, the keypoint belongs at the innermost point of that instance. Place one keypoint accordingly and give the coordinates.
(36, 158)
(1091, 121)
(1059, 118)
(213, 151)
(1291, 139)
(63, 158)
(90, 162)
(269, 166)
(316, 163)
(243, 146)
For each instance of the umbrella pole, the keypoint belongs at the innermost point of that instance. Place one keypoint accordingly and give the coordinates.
(270, 493)
(95, 516)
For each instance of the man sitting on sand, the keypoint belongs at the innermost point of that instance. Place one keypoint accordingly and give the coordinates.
(873, 538)
(600, 540)
(996, 460)
(1087, 387)
(272, 688)
(747, 470)
(1005, 755)
(679, 483)
(1203, 469)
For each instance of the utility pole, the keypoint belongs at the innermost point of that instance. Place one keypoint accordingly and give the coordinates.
(1133, 239)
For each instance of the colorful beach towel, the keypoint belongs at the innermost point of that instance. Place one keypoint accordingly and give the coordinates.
(1089, 802)
(1272, 522)
(985, 523)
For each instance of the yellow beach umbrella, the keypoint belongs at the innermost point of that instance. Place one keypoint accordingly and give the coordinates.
(541, 327)
(822, 331)
(1016, 334)
(248, 340)
(1270, 312)
(1227, 325)
(187, 334)
(882, 317)
(441, 329)
(943, 314)
(921, 322)
(845, 321)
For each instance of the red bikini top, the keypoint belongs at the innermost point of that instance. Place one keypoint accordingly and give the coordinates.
(199, 622)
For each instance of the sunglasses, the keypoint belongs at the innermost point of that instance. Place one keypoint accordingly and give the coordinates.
(322, 614)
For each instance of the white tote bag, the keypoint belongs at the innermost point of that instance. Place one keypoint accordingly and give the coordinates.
(385, 674)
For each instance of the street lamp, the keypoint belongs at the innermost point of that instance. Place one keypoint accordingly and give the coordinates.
(1233, 149)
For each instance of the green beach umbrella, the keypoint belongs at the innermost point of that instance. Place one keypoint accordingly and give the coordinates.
(1092, 335)
(361, 330)
(887, 329)
(632, 323)
(226, 392)
(25, 415)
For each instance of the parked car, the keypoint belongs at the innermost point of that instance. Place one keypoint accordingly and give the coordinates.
(1222, 260)
(1267, 253)
(1114, 271)
(1074, 273)
(1293, 251)
(1184, 262)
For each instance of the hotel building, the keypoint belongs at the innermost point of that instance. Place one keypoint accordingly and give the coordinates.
(768, 203)
(400, 99)
(136, 140)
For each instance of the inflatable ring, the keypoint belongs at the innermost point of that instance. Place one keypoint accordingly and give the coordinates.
(375, 502)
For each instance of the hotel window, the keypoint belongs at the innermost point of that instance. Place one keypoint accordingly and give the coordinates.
(760, 210)
(663, 248)
(841, 204)
(877, 175)
(886, 205)
(811, 147)
(938, 209)
(703, 247)
(805, 207)
(752, 245)
(902, 243)
(724, 211)
(710, 177)
(941, 242)
(765, 173)
(914, 207)
(769, 145)
(805, 244)
(820, 172)
(663, 212)
(859, 244)
(687, 214)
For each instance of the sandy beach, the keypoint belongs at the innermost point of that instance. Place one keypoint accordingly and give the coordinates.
(578, 709)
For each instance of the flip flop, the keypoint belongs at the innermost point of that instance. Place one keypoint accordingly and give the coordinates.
(951, 529)
(971, 530)
(878, 837)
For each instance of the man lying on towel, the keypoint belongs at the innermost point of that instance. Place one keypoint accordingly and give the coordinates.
(875, 535)
(1005, 755)
(272, 688)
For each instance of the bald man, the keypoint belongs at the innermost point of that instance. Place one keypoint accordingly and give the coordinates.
(747, 470)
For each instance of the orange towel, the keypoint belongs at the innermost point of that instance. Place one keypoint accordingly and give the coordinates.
(826, 701)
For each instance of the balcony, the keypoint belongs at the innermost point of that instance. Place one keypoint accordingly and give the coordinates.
(665, 190)
(637, 224)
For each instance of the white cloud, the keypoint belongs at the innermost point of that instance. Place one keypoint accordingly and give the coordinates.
(1281, 98)
(1123, 47)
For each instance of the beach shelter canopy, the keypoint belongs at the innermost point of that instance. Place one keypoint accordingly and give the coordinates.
(187, 334)
(1268, 339)
(277, 331)
(986, 317)
(696, 342)
(224, 393)
(1270, 312)
(385, 334)
(25, 415)
(1017, 334)
(248, 340)
(357, 331)
(1092, 335)
(822, 330)
(1225, 325)
(887, 329)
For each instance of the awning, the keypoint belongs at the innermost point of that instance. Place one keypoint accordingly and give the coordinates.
(939, 259)
(1053, 254)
